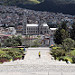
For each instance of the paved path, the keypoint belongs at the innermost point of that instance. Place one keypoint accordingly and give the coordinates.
(33, 65)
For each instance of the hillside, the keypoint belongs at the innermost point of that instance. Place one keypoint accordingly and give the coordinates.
(17, 2)
(54, 6)
(61, 6)
(64, 1)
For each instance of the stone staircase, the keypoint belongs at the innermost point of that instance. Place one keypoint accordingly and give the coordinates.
(33, 65)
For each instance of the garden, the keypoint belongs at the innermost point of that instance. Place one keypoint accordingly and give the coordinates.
(60, 54)
(64, 39)
(8, 54)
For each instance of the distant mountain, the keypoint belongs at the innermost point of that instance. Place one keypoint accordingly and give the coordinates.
(17, 2)
(61, 6)
(63, 1)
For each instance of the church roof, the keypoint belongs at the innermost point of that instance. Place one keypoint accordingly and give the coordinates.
(53, 28)
(31, 25)
(45, 24)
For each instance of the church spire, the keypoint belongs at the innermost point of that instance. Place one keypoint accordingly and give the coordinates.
(24, 23)
(40, 22)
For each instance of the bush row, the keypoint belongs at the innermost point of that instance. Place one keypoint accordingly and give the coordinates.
(60, 54)
(7, 54)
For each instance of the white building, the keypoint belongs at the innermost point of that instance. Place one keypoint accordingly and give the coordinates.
(52, 31)
(34, 29)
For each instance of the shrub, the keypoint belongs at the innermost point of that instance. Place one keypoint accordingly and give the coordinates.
(6, 54)
(4, 57)
(1, 52)
(61, 58)
(68, 58)
(54, 48)
(73, 59)
(72, 53)
(68, 44)
(15, 52)
(17, 57)
(58, 52)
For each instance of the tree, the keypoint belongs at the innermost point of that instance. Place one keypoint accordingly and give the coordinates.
(64, 25)
(64, 34)
(17, 40)
(58, 52)
(57, 37)
(72, 34)
(36, 43)
(7, 42)
(13, 41)
(0, 44)
(61, 34)
(73, 59)
(68, 44)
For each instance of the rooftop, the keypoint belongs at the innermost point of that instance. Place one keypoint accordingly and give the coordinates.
(35, 25)
(53, 28)
(32, 25)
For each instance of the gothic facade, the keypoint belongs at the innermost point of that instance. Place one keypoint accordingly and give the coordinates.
(33, 29)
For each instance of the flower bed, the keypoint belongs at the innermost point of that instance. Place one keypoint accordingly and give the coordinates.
(6, 54)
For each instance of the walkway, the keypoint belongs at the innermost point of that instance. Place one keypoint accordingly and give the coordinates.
(32, 65)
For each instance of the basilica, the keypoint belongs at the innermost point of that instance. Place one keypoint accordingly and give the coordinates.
(33, 29)
(36, 29)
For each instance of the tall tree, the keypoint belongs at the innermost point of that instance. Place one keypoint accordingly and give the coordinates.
(57, 37)
(61, 33)
(72, 34)
(0, 44)
(64, 25)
